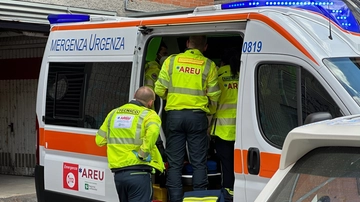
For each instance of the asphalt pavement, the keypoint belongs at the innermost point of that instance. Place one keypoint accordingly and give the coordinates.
(17, 189)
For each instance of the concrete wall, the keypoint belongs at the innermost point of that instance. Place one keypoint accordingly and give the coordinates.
(112, 5)
(133, 5)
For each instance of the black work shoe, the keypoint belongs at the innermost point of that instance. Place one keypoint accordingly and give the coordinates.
(228, 195)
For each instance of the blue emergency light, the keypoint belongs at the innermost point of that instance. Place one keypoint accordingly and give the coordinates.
(336, 10)
(66, 18)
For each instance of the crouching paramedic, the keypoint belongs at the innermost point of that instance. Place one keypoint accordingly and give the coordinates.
(130, 133)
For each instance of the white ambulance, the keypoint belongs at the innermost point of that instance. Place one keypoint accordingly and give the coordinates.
(319, 162)
(299, 64)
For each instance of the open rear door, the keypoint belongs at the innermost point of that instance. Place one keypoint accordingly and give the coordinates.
(87, 71)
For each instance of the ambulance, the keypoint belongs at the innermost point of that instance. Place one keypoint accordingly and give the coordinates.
(299, 64)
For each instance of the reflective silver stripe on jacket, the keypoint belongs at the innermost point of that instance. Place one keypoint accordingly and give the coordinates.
(171, 66)
(213, 89)
(164, 82)
(135, 141)
(109, 124)
(187, 91)
(225, 121)
(152, 123)
(101, 133)
(206, 71)
(227, 106)
(149, 82)
(143, 154)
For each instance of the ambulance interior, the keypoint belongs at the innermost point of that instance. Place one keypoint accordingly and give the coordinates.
(217, 44)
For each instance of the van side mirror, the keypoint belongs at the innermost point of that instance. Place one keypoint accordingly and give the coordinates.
(317, 116)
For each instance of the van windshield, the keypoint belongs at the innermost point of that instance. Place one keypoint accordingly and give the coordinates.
(327, 174)
(347, 72)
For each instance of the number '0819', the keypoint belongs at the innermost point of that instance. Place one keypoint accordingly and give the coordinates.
(252, 47)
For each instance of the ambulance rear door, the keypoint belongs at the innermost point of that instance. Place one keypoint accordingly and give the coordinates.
(87, 71)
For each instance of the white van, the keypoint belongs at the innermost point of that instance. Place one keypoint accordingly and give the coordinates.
(319, 162)
(300, 63)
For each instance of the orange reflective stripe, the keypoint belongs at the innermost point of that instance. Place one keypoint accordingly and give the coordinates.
(41, 137)
(85, 144)
(245, 154)
(269, 164)
(283, 32)
(134, 23)
(72, 142)
(237, 161)
(158, 22)
(197, 19)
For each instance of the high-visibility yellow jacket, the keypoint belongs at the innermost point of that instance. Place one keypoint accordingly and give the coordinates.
(188, 81)
(152, 70)
(224, 120)
(131, 128)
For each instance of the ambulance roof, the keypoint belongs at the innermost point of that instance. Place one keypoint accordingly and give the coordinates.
(343, 131)
(338, 11)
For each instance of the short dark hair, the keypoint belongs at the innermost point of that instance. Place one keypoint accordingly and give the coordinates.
(198, 41)
(231, 56)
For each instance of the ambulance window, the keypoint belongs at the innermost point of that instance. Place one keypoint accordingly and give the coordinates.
(315, 98)
(82, 94)
(278, 100)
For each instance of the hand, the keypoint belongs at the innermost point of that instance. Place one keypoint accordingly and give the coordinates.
(147, 159)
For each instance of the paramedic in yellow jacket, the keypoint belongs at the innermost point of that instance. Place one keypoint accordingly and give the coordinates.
(130, 133)
(224, 120)
(188, 81)
(152, 68)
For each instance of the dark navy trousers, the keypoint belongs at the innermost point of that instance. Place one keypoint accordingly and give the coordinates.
(225, 152)
(186, 126)
(133, 186)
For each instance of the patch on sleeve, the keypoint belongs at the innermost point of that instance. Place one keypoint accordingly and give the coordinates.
(154, 76)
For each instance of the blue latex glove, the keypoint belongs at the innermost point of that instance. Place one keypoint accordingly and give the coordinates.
(147, 159)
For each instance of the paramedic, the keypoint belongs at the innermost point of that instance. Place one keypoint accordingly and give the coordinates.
(223, 123)
(152, 68)
(188, 81)
(130, 133)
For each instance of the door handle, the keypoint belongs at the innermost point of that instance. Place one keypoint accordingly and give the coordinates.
(253, 160)
(11, 127)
